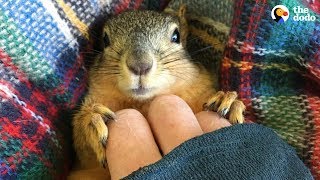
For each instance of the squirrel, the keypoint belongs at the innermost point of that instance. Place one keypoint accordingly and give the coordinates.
(143, 57)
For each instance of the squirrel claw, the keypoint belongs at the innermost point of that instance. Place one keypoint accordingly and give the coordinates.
(226, 103)
(104, 141)
(109, 116)
(223, 112)
(104, 163)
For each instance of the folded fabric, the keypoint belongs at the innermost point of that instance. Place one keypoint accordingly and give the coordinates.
(275, 68)
(43, 76)
(248, 151)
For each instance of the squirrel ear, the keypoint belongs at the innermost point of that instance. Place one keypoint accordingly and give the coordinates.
(183, 23)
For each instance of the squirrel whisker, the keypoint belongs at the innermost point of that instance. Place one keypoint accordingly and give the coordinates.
(176, 52)
(107, 68)
(113, 59)
(200, 50)
(115, 51)
(109, 57)
(91, 50)
(88, 52)
(171, 60)
(180, 65)
(182, 77)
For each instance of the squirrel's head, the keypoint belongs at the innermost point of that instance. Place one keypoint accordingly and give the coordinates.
(144, 54)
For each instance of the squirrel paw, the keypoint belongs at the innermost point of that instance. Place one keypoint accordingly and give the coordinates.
(225, 103)
(99, 117)
(90, 130)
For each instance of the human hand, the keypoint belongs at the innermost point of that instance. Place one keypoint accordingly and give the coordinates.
(135, 141)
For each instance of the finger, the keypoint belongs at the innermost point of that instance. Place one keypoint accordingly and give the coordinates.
(172, 122)
(211, 121)
(130, 144)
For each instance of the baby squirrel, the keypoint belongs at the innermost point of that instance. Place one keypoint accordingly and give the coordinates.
(144, 56)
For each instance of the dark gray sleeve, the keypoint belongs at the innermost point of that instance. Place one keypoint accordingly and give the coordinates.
(247, 151)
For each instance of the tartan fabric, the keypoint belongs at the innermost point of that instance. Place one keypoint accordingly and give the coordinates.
(42, 76)
(276, 70)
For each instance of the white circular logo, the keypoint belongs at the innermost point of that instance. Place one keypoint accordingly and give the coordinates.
(280, 13)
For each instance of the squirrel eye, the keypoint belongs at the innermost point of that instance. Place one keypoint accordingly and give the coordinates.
(106, 40)
(175, 36)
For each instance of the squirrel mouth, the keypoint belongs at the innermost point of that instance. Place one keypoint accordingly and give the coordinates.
(140, 90)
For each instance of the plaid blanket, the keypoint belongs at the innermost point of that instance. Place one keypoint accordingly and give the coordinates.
(42, 76)
(274, 67)
(276, 70)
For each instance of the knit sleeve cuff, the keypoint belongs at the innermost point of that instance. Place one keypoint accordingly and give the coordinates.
(247, 151)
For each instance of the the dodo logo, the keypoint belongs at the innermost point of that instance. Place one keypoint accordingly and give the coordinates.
(280, 13)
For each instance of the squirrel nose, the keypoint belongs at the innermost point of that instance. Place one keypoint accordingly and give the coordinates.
(140, 68)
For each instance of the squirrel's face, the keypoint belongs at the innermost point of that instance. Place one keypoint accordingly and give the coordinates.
(144, 54)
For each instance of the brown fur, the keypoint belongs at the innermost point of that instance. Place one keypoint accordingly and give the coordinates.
(146, 35)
